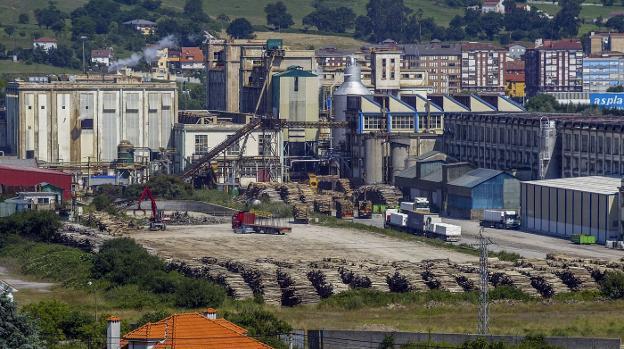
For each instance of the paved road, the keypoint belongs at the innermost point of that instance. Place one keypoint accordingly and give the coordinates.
(525, 244)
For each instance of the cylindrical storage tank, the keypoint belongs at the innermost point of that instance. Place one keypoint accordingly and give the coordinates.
(399, 155)
(125, 152)
(373, 160)
(352, 86)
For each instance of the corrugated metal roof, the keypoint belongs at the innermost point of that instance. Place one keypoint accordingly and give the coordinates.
(409, 172)
(435, 176)
(590, 184)
(474, 177)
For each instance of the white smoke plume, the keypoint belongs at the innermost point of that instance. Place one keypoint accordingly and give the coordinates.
(149, 53)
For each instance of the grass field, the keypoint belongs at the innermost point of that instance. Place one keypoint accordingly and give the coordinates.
(10, 67)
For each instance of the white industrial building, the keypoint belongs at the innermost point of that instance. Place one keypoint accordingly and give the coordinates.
(84, 119)
(567, 206)
(198, 132)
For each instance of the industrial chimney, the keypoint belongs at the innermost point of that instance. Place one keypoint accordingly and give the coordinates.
(113, 333)
(210, 313)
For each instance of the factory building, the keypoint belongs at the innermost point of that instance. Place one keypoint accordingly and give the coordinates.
(251, 159)
(534, 146)
(84, 120)
(296, 98)
(567, 206)
(236, 71)
(481, 189)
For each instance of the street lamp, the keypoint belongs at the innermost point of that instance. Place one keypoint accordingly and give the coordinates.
(84, 65)
(94, 299)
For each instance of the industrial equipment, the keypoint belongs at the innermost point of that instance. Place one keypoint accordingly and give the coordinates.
(245, 222)
(583, 239)
(156, 222)
(506, 219)
(365, 209)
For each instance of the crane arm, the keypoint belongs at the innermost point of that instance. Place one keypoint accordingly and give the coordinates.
(147, 194)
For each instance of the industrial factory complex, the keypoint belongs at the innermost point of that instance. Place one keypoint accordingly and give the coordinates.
(377, 117)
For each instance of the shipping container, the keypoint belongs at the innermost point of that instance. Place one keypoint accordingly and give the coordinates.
(446, 232)
(417, 220)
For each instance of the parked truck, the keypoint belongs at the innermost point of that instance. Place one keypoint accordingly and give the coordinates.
(501, 219)
(417, 221)
(245, 222)
(419, 204)
(444, 231)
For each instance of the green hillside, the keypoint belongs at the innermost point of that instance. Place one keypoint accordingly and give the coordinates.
(253, 10)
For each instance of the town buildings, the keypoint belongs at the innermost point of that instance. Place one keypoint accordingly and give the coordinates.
(142, 25)
(441, 61)
(598, 43)
(191, 58)
(482, 67)
(496, 6)
(84, 119)
(514, 79)
(602, 71)
(554, 66)
(102, 57)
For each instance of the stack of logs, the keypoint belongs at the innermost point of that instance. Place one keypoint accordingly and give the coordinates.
(323, 204)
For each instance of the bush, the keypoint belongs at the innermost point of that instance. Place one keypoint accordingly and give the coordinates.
(18, 330)
(508, 292)
(36, 225)
(152, 316)
(123, 261)
(260, 323)
(57, 321)
(196, 293)
(163, 187)
(612, 284)
(131, 297)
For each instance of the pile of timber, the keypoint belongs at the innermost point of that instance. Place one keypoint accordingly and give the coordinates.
(290, 193)
(296, 288)
(307, 194)
(323, 204)
(300, 212)
(105, 222)
(515, 279)
(262, 191)
(577, 279)
(437, 276)
(379, 194)
(344, 185)
(82, 237)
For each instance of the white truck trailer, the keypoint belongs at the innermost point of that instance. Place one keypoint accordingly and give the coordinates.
(444, 231)
(501, 219)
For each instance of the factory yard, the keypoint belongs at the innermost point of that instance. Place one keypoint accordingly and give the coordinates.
(305, 243)
(531, 245)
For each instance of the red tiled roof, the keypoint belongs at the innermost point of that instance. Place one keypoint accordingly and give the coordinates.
(32, 169)
(563, 44)
(103, 53)
(44, 39)
(191, 54)
(194, 331)
(490, 2)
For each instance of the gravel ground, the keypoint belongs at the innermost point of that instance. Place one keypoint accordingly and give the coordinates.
(20, 284)
(306, 243)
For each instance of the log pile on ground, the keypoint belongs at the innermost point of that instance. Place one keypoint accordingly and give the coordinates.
(379, 194)
(323, 204)
(113, 225)
(82, 237)
(263, 191)
(290, 193)
(300, 212)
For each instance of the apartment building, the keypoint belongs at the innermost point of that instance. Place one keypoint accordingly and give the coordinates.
(554, 66)
(441, 61)
(482, 67)
(598, 43)
(514, 79)
(601, 71)
(534, 146)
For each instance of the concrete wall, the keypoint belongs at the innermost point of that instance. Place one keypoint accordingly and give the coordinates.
(335, 339)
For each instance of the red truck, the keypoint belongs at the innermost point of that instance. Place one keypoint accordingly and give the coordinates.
(245, 222)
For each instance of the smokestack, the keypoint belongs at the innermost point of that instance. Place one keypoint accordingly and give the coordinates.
(210, 313)
(113, 333)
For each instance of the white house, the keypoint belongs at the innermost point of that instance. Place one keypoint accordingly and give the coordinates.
(493, 6)
(45, 43)
(102, 57)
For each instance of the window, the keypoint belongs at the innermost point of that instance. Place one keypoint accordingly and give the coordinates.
(372, 123)
(233, 149)
(86, 124)
(201, 144)
(296, 84)
(43, 200)
(403, 122)
(264, 145)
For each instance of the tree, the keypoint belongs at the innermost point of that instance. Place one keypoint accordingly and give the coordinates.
(23, 18)
(616, 22)
(542, 103)
(567, 20)
(331, 20)
(277, 15)
(260, 323)
(194, 9)
(492, 23)
(618, 88)
(58, 321)
(119, 260)
(151, 4)
(612, 284)
(50, 15)
(240, 28)
(363, 27)
(388, 18)
(18, 330)
(195, 293)
(9, 30)
(36, 225)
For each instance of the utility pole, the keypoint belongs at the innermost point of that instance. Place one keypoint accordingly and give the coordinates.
(84, 64)
(483, 273)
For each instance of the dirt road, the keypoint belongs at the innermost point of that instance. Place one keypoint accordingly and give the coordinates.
(306, 243)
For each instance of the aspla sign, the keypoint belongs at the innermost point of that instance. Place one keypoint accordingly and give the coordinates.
(607, 100)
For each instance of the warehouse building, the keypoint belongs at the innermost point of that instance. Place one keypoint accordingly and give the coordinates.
(480, 189)
(567, 206)
(84, 119)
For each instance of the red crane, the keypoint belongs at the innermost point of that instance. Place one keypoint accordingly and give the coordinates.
(155, 222)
